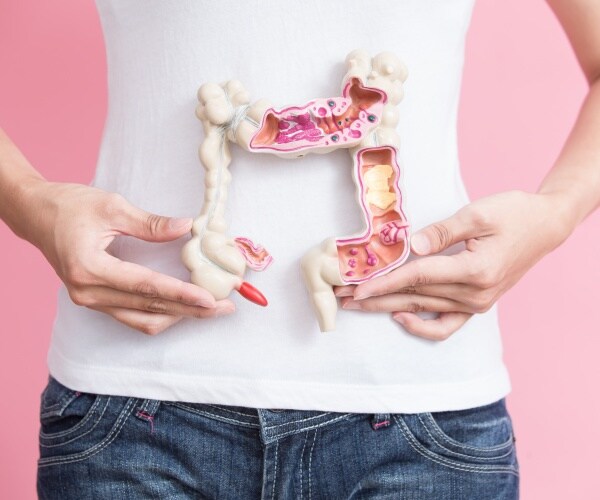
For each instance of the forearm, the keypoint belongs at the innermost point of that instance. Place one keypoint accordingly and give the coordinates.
(17, 178)
(574, 180)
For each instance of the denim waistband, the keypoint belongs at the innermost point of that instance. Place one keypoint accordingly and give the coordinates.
(275, 424)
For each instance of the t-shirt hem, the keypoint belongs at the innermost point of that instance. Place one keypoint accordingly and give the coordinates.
(280, 394)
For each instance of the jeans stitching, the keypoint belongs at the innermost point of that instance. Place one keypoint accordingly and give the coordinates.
(61, 404)
(112, 435)
(310, 464)
(275, 473)
(487, 469)
(153, 406)
(302, 464)
(213, 416)
(317, 426)
(144, 405)
(296, 421)
(66, 432)
(81, 435)
(462, 454)
(442, 434)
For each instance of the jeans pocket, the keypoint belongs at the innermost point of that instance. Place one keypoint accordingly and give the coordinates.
(476, 439)
(72, 423)
(484, 431)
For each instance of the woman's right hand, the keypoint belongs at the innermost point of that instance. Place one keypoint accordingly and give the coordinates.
(73, 225)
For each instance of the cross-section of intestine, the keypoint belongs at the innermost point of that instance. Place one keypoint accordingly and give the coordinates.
(383, 244)
(363, 120)
(325, 123)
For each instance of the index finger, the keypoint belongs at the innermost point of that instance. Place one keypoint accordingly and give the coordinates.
(424, 271)
(140, 280)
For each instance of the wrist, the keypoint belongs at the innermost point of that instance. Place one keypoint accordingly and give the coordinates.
(564, 215)
(28, 206)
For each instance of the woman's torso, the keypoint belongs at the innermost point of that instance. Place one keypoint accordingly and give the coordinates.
(159, 53)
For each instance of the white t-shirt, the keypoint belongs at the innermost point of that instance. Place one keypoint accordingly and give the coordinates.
(159, 53)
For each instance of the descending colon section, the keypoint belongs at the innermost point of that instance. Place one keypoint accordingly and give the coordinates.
(384, 242)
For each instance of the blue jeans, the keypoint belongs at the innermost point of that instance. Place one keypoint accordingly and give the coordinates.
(114, 447)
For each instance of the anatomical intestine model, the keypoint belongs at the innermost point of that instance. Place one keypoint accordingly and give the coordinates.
(362, 120)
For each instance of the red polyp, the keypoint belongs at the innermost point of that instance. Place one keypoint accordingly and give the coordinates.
(252, 294)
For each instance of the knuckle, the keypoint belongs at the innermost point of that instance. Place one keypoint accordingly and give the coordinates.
(482, 303)
(75, 274)
(473, 278)
(478, 304)
(151, 327)
(485, 278)
(415, 307)
(419, 278)
(442, 234)
(156, 306)
(442, 335)
(203, 313)
(484, 308)
(78, 297)
(479, 272)
(153, 223)
(145, 289)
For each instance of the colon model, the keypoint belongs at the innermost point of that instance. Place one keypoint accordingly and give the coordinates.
(362, 120)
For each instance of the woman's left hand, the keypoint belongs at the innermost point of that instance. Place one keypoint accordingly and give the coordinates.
(504, 234)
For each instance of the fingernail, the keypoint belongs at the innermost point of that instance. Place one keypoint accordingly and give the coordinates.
(420, 244)
(400, 318)
(176, 224)
(361, 295)
(351, 304)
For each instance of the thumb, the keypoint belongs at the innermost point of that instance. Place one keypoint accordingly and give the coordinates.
(151, 227)
(440, 235)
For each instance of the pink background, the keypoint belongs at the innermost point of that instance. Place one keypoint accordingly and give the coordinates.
(521, 93)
